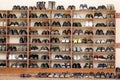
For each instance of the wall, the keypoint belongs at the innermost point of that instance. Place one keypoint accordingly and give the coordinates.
(7, 5)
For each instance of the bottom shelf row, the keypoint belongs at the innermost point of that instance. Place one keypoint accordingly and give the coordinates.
(33, 64)
(87, 75)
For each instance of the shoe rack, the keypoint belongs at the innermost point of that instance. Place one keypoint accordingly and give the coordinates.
(89, 51)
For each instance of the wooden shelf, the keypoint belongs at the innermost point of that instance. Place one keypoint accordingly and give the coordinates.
(71, 53)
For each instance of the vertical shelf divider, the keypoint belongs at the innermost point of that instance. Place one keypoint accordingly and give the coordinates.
(28, 37)
(7, 55)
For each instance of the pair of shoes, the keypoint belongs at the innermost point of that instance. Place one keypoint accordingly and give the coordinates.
(3, 40)
(43, 16)
(22, 48)
(111, 57)
(110, 41)
(99, 32)
(12, 16)
(34, 57)
(41, 5)
(100, 41)
(54, 40)
(83, 6)
(36, 24)
(76, 65)
(55, 48)
(88, 57)
(22, 56)
(12, 48)
(33, 15)
(44, 49)
(17, 24)
(45, 41)
(25, 76)
(66, 32)
(88, 24)
(110, 16)
(2, 65)
(23, 39)
(102, 66)
(2, 15)
(13, 32)
(57, 65)
(65, 48)
(65, 40)
(34, 48)
(110, 32)
(2, 31)
(71, 7)
(33, 65)
(88, 32)
(89, 16)
(55, 32)
(33, 32)
(23, 14)
(78, 32)
(2, 48)
(88, 65)
(60, 7)
(110, 49)
(18, 7)
(22, 32)
(42, 75)
(56, 23)
(45, 32)
(92, 8)
(76, 15)
(100, 25)
(87, 41)
(77, 40)
(16, 32)
(61, 65)
(59, 15)
(32, 8)
(45, 57)
(44, 65)
(18, 65)
(100, 49)
(77, 49)
(98, 15)
(66, 23)
(66, 16)
(102, 7)
(111, 24)
(88, 49)
(61, 57)
(77, 24)
(77, 75)
(110, 66)
(36, 40)
(100, 57)
(76, 57)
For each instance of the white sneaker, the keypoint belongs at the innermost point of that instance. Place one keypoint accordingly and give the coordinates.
(90, 23)
(78, 57)
(86, 24)
(75, 16)
(78, 16)
(75, 57)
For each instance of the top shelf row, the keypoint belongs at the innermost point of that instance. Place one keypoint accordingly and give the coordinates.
(41, 5)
